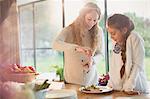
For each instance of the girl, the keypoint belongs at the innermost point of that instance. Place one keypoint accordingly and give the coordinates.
(127, 65)
(80, 41)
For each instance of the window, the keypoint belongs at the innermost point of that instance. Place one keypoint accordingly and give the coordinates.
(41, 20)
(39, 24)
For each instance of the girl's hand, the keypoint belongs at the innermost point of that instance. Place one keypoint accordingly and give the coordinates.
(132, 92)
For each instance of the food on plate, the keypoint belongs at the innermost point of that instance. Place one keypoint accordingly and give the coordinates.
(95, 89)
(91, 88)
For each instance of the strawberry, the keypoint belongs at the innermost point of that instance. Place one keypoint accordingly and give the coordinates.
(31, 68)
(27, 70)
(16, 69)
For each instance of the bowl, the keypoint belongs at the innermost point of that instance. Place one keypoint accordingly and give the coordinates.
(21, 77)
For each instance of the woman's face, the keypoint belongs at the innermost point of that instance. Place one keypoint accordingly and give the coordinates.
(91, 19)
(116, 34)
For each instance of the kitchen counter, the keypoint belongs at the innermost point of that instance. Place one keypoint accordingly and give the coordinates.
(110, 95)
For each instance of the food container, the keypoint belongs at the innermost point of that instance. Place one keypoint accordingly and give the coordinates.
(20, 77)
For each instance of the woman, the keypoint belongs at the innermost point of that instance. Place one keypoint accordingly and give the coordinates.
(127, 65)
(81, 41)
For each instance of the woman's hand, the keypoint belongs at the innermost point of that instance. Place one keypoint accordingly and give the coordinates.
(132, 92)
(85, 50)
(88, 64)
(88, 61)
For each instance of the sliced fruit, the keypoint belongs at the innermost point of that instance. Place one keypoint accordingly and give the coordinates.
(31, 68)
(27, 70)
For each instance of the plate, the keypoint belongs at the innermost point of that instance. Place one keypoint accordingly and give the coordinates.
(61, 94)
(96, 89)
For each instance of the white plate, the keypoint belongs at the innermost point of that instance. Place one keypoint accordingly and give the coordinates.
(61, 94)
(102, 89)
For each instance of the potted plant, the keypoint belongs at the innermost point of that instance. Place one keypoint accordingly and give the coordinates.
(59, 71)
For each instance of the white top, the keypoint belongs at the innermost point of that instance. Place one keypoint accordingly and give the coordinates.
(134, 77)
(73, 69)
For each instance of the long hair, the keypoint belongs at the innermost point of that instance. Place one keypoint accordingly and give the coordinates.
(119, 21)
(78, 26)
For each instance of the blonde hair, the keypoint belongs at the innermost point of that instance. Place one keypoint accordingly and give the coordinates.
(78, 25)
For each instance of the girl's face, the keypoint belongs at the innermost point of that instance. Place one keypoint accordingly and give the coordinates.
(91, 19)
(116, 34)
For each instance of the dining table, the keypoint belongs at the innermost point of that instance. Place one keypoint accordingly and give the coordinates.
(107, 95)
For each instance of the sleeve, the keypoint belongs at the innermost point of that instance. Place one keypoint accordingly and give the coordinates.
(60, 43)
(138, 53)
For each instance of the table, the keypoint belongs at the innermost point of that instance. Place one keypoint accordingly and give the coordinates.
(111, 95)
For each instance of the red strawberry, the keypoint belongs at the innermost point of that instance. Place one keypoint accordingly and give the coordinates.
(27, 70)
(31, 68)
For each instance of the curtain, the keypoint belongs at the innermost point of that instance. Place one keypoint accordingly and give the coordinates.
(9, 34)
